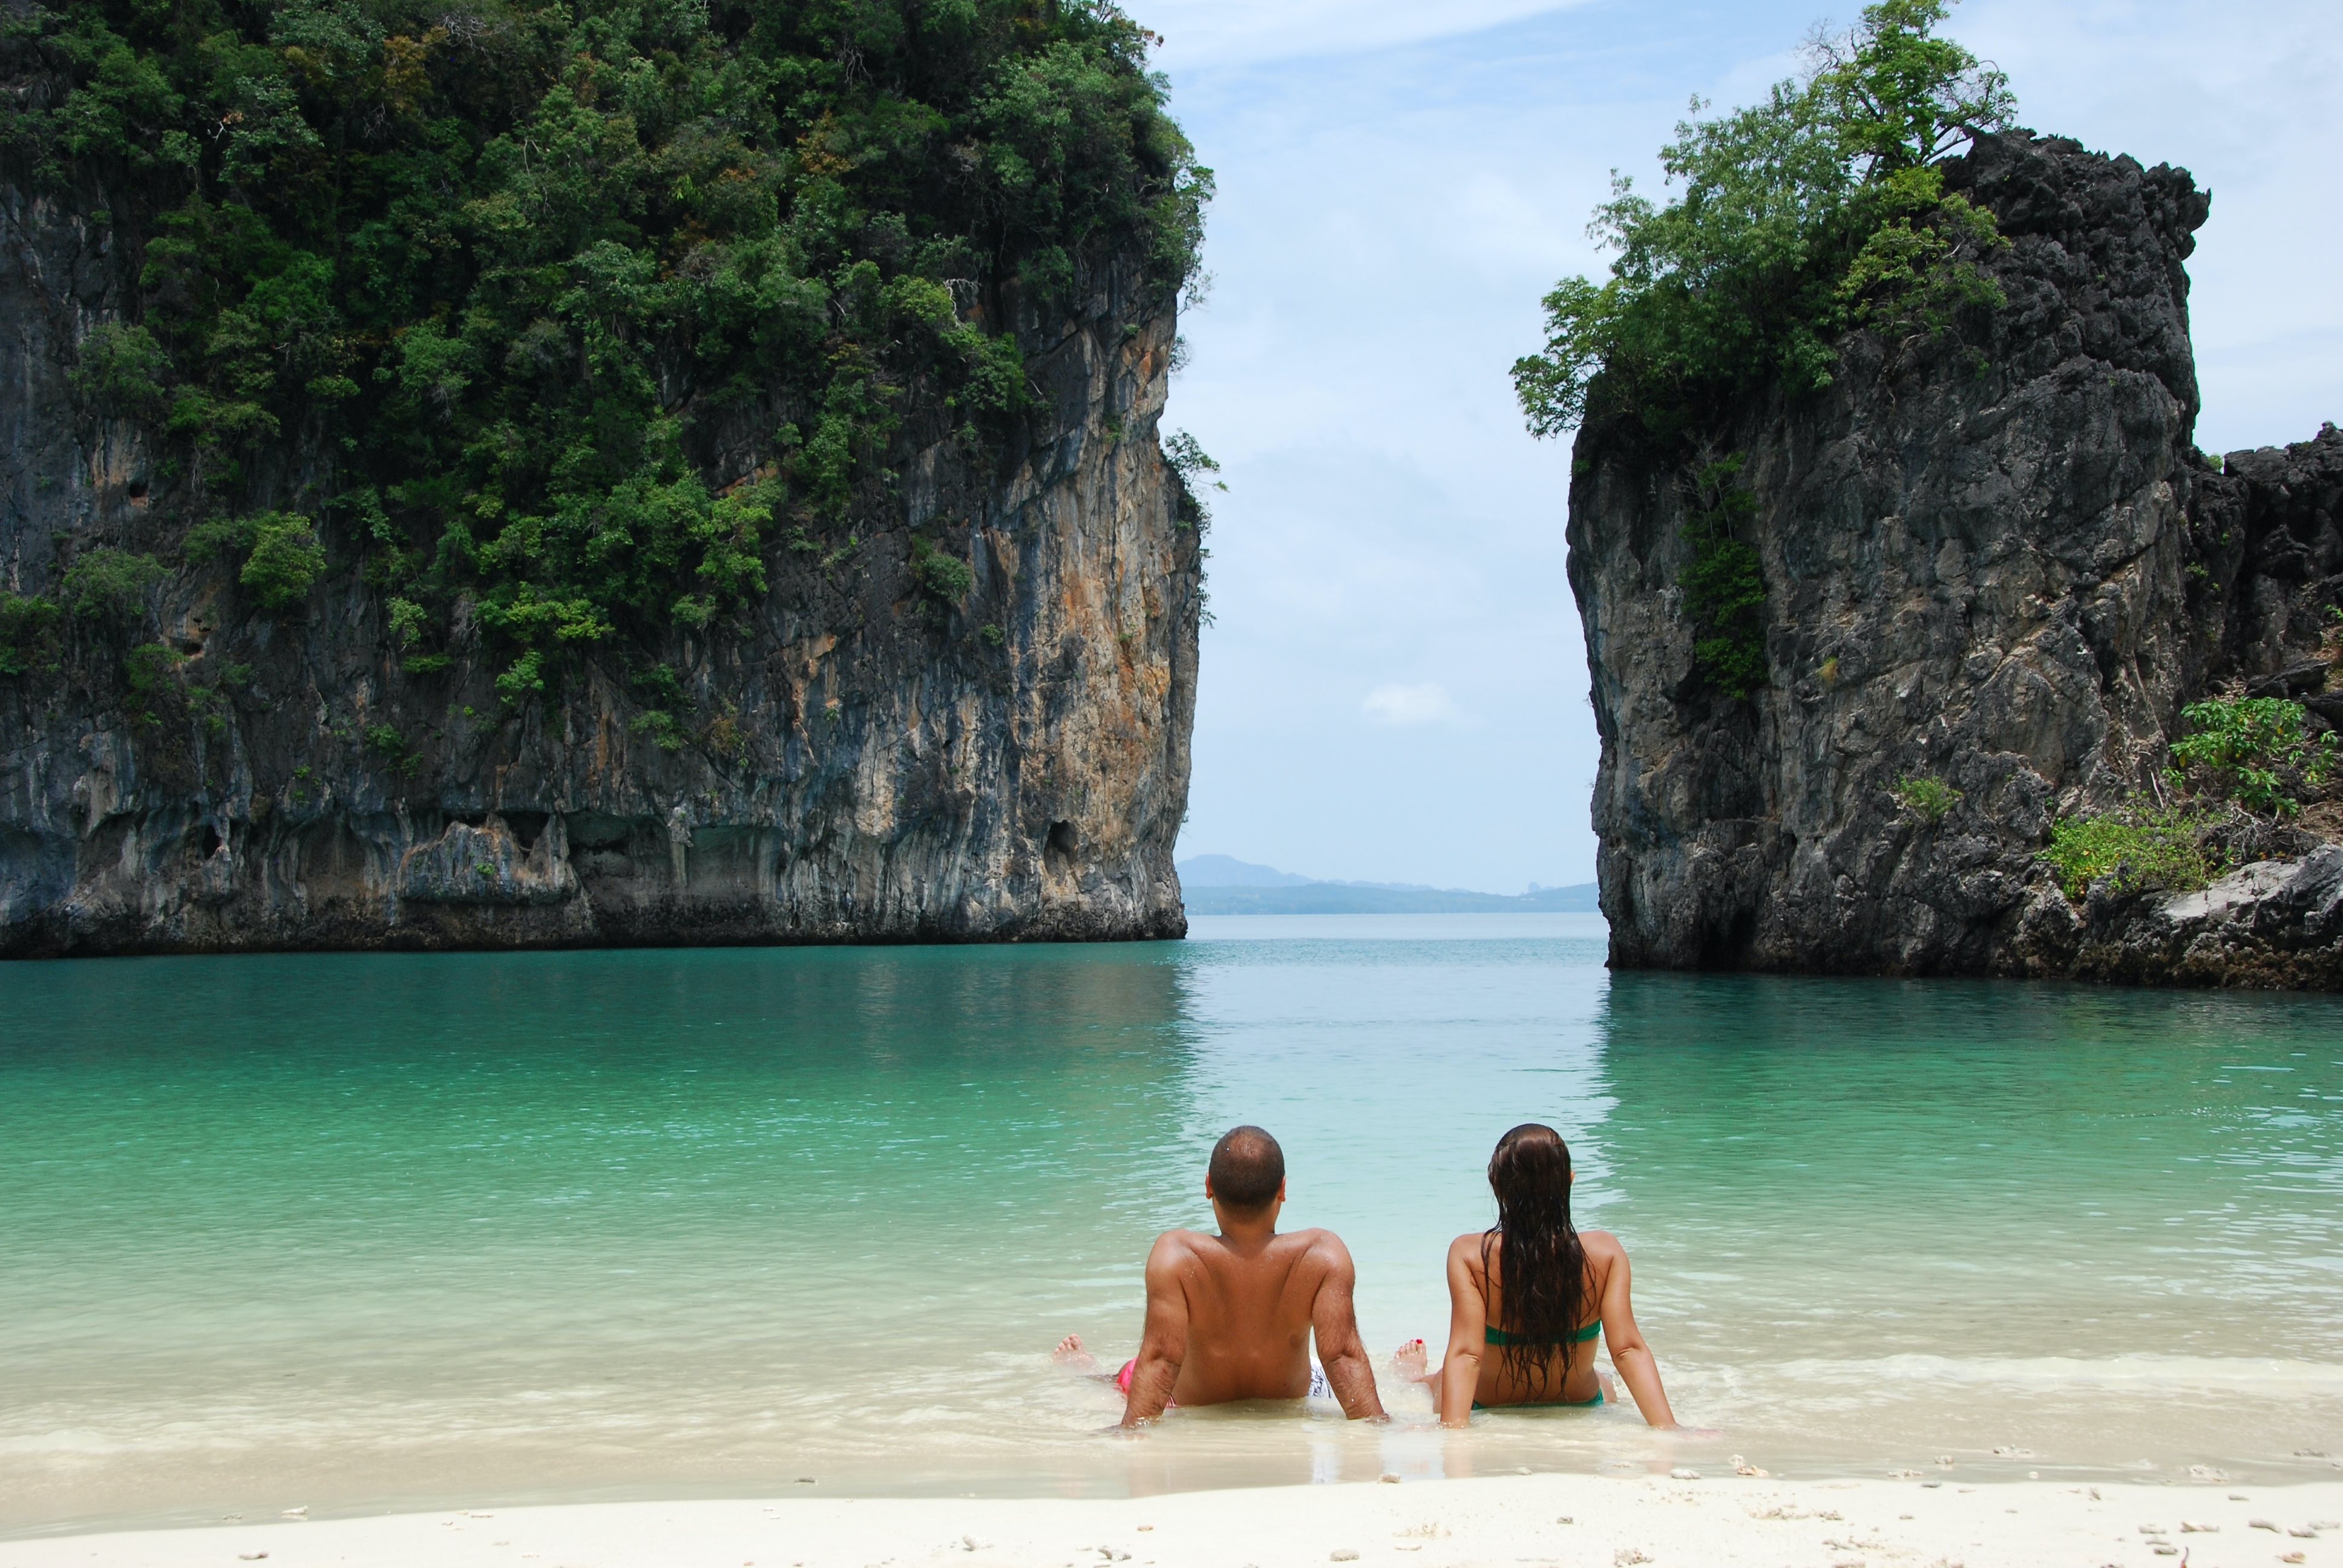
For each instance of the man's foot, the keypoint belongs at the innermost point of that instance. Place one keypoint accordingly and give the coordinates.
(1069, 1353)
(1410, 1359)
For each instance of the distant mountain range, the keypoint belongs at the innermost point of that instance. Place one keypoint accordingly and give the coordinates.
(1224, 885)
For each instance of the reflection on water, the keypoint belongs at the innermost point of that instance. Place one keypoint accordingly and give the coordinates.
(372, 1231)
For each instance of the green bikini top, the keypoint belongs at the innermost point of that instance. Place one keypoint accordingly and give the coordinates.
(1500, 1337)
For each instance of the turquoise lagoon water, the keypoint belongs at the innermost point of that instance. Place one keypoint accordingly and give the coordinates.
(357, 1232)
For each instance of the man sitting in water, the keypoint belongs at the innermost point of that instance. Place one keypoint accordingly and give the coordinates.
(1230, 1316)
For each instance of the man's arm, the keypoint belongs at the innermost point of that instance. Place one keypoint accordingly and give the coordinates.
(1335, 1320)
(1163, 1342)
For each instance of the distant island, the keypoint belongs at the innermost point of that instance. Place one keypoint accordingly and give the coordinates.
(1224, 885)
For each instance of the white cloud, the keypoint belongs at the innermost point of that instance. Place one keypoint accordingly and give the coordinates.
(1222, 32)
(1426, 702)
(2256, 120)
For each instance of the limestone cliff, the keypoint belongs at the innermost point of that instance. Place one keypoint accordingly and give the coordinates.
(1995, 561)
(857, 761)
(597, 474)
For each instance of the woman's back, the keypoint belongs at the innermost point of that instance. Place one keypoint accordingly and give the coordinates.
(1528, 1296)
(1544, 1363)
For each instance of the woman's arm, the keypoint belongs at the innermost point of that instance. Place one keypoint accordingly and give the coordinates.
(1468, 1317)
(1637, 1367)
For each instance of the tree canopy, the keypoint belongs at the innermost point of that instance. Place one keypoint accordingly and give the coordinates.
(1820, 208)
(518, 271)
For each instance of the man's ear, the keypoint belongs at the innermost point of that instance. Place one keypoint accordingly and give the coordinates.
(1209, 1196)
(1281, 1189)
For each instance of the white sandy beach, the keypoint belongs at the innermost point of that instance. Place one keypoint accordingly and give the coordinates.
(1539, 1519)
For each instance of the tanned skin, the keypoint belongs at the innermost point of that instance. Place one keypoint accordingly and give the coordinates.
(1473, 1371)
(1229, 1317)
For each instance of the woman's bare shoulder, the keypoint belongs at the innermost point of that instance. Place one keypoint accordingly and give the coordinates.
(1470, 1243)
(1601, 1244)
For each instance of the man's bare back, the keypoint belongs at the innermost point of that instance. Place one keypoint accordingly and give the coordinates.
(1230, 1316)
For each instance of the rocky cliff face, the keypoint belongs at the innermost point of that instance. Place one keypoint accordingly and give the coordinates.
(862, 760)
(1999, 565)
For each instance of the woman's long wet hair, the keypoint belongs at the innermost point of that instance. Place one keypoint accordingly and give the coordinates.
(1543, 1285)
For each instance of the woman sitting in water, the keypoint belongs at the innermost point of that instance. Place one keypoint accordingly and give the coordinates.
(1552, 1286)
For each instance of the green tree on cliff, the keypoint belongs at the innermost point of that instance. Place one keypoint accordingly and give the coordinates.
(571, 313)
(1821, 209)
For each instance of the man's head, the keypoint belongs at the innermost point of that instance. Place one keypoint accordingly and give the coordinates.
(1247, 1176)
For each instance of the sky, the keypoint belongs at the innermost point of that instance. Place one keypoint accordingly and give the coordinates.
(1393, 683)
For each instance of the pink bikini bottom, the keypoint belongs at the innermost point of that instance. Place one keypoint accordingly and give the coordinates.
(1123, 1381)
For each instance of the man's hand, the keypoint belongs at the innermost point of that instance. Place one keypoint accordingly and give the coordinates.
(1334, 1319)
(1163, 1342)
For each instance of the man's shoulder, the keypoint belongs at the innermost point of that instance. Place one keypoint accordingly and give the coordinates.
(1180, 1243)
(1320, 1246)
(1176, 1255)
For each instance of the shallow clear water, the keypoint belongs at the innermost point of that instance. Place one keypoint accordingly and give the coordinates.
(366, 1231)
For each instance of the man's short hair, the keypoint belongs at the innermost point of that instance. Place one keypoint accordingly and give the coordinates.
(1247, 1168)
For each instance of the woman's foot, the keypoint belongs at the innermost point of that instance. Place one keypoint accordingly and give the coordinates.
(1410, 1359)
(1070, 1354)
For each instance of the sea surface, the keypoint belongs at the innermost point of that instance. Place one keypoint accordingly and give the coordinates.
(373, 1231)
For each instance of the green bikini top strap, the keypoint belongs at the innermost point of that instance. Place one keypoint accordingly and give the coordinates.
(1497, 1336)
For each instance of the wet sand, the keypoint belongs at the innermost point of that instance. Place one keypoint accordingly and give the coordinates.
(1681, 1519)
